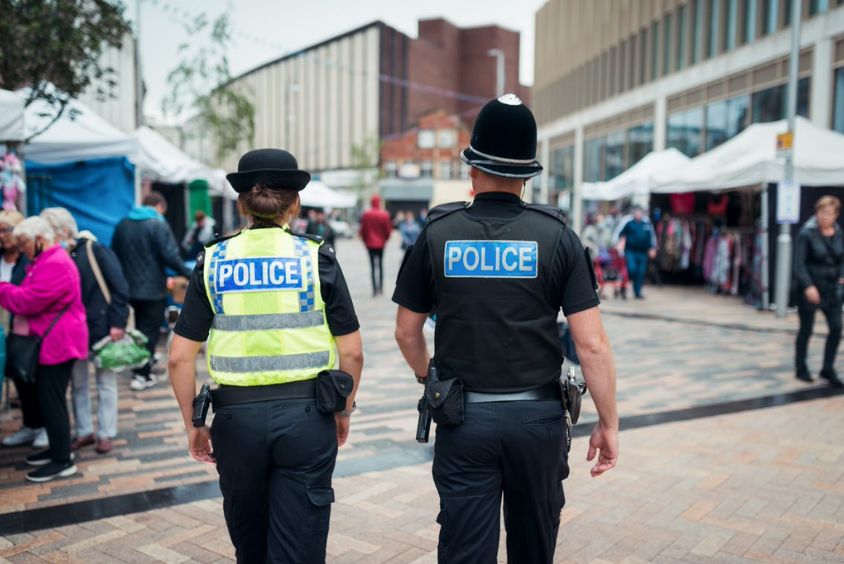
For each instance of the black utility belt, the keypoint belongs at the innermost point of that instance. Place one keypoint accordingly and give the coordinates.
(547, 392)
(330, 388)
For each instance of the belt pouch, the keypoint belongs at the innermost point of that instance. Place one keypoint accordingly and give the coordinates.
(332, 389)
(446, 400)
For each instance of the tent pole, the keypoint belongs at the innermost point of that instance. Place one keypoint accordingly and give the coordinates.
(766, 299)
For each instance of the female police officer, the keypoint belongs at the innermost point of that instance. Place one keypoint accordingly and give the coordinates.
(275, 304)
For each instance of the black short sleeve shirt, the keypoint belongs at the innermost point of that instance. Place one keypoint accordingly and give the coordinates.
(195, 320)
(573, 279)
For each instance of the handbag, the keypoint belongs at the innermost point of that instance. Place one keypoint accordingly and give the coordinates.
(23, 350)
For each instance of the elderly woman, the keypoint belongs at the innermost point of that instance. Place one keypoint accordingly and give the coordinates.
(13, 269)
(105, 294)
(818, 277)
(49, 296)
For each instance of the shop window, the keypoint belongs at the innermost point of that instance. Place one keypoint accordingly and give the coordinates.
(838, 108)
(685, 131)
(562, 168)
(716, 124)
(737, 110)
(750, 8)
(770, 104)
(640, 142)
(426, 139)
(614, 155)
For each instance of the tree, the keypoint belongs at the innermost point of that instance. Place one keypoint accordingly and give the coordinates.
(54, 47)
(202, 82)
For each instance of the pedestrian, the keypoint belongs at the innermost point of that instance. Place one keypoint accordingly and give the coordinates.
(199, 233)
(13, 269)
(146, 247)
(48, 303)
(819, 282)
(375, 230)
(409, 230)
(498, 271)
(105, 296)
(272, 338)
(319, 226)
(636, 236)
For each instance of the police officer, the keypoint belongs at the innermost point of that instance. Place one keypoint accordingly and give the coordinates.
(496, 272)
(276, 306)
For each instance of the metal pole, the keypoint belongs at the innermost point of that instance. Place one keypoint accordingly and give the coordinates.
(139, 78)
(499, 71)
(765, 216)
(783, 278)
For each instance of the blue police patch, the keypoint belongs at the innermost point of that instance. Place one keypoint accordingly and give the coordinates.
(259, 274)
(491, 259)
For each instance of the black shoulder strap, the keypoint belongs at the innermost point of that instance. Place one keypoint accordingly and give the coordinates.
(550, 211)
(440, 212)
(55, 320)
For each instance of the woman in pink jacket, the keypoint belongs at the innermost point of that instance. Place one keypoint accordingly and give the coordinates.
(51, 289)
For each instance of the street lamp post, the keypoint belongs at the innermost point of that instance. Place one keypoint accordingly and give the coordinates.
(783, 279)
(499, 71)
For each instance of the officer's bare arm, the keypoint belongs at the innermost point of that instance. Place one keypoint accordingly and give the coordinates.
(411, 339)
(182, 366)
(350, 349)
(596, 361)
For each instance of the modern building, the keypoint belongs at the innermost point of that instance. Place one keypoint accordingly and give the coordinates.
(615, 79)
(332, 103)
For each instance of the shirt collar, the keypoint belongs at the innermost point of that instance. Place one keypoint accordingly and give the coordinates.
(498, 197)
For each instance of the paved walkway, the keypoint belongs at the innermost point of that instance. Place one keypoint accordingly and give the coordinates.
(708, 469)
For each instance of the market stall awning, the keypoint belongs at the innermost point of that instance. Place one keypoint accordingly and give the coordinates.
(636, 180)
(318, 195)
(750, 159)
(11, 116)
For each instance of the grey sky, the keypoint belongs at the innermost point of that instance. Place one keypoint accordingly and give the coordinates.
(267, 29)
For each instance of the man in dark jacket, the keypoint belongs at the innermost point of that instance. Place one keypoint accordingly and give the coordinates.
(639, 245)
(105, 295)
(145, 245)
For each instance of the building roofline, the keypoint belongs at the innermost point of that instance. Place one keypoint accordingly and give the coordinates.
(469, 28)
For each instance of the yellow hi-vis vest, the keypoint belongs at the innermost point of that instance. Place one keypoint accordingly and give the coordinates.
(269, 318)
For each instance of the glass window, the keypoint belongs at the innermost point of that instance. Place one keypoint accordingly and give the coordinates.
(730, 31)
(666, 45)
(640, 140)
(714, 26)
(445, 170)
(803, 97)
(426, 169)
(391, 169)
(654, 51)
(737, 109)
(685, 131)
(562, 168)
(838, 104)
(674, 135)
(697, 30)
(716, 124)
(446, 138)
(770, 104)
(749, 20)
(818, 6)
(787, 12)
(426, 139)
(682, 20)
(770, 16)
(592, 163)
(614, 155)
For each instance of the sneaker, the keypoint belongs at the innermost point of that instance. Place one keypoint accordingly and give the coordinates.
(43, 458)
(80, 442)
(140, 383)
(52, 471)
(24, 435)
(41, 439)
(104, 445)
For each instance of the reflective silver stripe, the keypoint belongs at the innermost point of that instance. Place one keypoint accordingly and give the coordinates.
(248, 364)
(503, 159)
(268, 321)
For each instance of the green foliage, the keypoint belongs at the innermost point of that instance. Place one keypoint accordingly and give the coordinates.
(54, 47)
(200, 86)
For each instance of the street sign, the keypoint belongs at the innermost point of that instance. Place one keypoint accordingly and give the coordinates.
(785, 144)
(788, 202)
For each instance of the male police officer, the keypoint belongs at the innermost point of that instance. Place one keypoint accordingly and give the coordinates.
(497, 272)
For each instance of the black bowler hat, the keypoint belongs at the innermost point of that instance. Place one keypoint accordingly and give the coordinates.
(504, 140)
(274, 168)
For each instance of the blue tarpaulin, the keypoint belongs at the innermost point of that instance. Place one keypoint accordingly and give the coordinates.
(99, 192)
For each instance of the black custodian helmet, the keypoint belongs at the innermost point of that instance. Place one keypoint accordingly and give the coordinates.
(504, 140)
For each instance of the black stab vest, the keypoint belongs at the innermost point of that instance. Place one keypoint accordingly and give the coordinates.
(496, 334)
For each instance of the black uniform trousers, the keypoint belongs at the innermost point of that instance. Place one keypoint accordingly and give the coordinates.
(275, 460)
(512, 448)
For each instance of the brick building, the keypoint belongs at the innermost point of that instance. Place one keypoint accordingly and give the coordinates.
(432, 149)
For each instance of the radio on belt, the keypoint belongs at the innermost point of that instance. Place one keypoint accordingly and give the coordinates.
(491, 259)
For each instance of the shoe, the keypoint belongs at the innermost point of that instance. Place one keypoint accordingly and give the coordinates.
(80, 442)
(52, 471)
(104, 446)
(140, 383)
(22, 436)
(639, 297)
(43, 458)
(832, 378)
(41, 439)
(804, 376)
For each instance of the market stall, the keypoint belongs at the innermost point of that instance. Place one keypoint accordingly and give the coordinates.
(11, 116)
(636, 180)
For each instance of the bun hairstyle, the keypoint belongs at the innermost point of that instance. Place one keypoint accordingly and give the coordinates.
(269, 204)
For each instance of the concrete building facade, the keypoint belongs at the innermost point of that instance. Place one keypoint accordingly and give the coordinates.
(615, 79)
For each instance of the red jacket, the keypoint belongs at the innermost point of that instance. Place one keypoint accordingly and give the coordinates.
(375, 226)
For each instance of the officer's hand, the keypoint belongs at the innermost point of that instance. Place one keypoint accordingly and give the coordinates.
(199, 444)
(342, 428)
(604, 442)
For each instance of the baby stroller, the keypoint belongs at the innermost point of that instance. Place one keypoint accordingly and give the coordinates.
(613, 268)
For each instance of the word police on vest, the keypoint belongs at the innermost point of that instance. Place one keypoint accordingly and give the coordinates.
(259, 274)
(491, 259)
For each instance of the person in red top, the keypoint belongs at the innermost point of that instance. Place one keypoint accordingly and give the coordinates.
(375, 230)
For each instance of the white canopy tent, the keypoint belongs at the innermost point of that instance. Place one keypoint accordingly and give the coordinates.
(750, 160)
(636, 180)
(11, 116)
(318, 195)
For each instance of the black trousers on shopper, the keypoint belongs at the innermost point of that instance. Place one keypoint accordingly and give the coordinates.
(149, 316)
(275, 461)
(511, 449)
(30, 410)
(51, 383)
(831, 307)
(376, 261)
